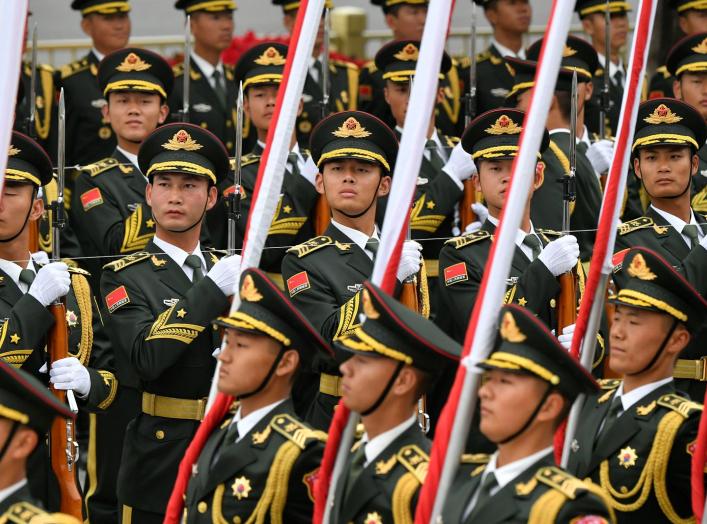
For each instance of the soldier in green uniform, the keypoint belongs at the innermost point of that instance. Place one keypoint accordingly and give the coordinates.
(396, 356)
(27, 411)
(692, 19)
(355, 153)
(27, 288)
(88, 136)
(592, 15)
(635, 438)
(260, 71)
(160, 304)
(444, 167)
(407, 19)
(262, 460)
(212, 91)
(109, 212)
(510, 21)
(343, 79)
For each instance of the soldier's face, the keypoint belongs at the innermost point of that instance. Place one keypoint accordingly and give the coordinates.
(693, 21)
(692, 88)
(595, 28)
(397, 95)
(15, 204)
(665, 170)
(364, 379)
(133, 116)
(510, 15)
(259, 105)
(108, 32)
(213, 30)
(179, 201)
(407, 21)
(636, 335)
(351, 185)
(493, 180)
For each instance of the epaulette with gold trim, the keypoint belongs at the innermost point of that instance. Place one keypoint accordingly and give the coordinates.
(464, 61)
(250, 158)
(24, 512)
(560, 480)
(344, 63)
(178, 69)
(295, 431)
(468, 238)
(77, 270)
(635, 225)
(415, 460)
(129, 260)
(311, 246)
(40, 67)
(73, 67)
(475, 458)
(663, 70)
(682, 405)
(485, 55)
(609, 383)
(101, 166)
(371, 66)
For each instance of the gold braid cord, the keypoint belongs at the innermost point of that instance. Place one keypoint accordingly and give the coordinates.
(42, 125)
(82, 292)
(110, 381)
(653, 473)
(403, 494)
(547, 507)
(285, 225)
(424, 291)
(428, 223)
(348, 316)
(182, 332)
(132, 239)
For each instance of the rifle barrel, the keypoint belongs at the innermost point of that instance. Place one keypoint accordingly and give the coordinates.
(186, 78)
(31, 129)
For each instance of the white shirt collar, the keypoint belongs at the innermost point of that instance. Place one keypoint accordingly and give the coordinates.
(377, 444)
(520, 236)
(558, 130)
(130, 156)
(679, 223)
(13, 271)
(97, 54)
(357, 237)
(613, 68)
(629, 399)
(179, 255)
(585, 137)
(504, 51)
(261, 144)
(506, 474)
(300, 159)
(247, 423)
(207, 68)
(6, 492)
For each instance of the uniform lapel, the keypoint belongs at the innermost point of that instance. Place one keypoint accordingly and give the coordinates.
(355, 256)
(670, 239)
(170, 273)
(205, 87)
(9, 292)
(134, 180)
(460, 496)
(593, 413)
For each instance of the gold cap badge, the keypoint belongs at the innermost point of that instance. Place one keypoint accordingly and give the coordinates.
(270, 56)
(132, 62)
(408, 53)
(248, 290)
(510, 330)
(351, 128)
(368, 308)
(662, 115)
(701, 47)
(640, 269)
(13, 150)
(182, 141)
(504, 125)
(568, 51)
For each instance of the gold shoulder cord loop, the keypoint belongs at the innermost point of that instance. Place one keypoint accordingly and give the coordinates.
(404, 492)
(83, 299)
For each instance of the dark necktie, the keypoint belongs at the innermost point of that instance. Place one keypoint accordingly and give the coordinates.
(230, 438)
(690, 231)
(487, 485)
(292, 159)
(533, 242)
(435, 158)
(612, 416)
(27, 277)
(219, 89)
(359, 458)
(619, 78)
(194, 262)
(582, 147)
(372, 246)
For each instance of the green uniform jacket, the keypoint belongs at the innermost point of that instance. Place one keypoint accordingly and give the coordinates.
(386, 489)
(45, 114)
(160, 328)
(205, 108)
(269, 472)
(592, 115)
(493, 79)
(643, 462)
(543, 493)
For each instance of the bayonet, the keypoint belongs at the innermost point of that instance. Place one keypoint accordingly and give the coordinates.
(569, 194)
(186, 77)
(606, 84)
(31, 127)
(234, 199)
(325, 79)
(470, 97)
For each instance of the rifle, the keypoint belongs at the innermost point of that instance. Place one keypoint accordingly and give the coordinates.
(31, 130)
(186, 76)
(606, 80)
(567, 304)
(63, 446)
(234, 199)
(322, 212)
(466, 215)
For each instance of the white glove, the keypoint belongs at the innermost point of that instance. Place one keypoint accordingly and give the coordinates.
(225, 272)
(69, 373)
(460, 166)
(410, 260)
(40, 257)
(52, 281)
(566, 337)
(482, 213)
(600, 154)
(560, 255)
(310, 170)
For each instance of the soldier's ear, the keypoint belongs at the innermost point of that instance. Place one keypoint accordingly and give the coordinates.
(37, 208)
(105, 110)
(212, 197)
(164, 113)
(384, 185)
(637, 167)
(319, 182)
(677, 89)
(23, 443)
(695, 164)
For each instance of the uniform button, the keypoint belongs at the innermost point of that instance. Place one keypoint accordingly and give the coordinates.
(237, 520)
(552, 302)
(159, 434)
(204, 125)
(202, 507)
(229, 145)
(229, 123)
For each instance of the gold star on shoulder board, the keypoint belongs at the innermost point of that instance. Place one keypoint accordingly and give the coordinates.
(15, 338)
(287, 209)
(522, 301)
(149, 223)
(181, 313)
(431, 204)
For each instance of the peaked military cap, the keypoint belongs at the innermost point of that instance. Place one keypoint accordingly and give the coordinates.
(495, 135)
(523, 72)
(261, 64)
(27, 161)
(184, 148)
(682, 6)
(578, 55)
(135, 69)
(645, 280)
(354, 134)
(397, 60)
(525, 345)
(667, 122)
(291, 6)
(25, 400)
(392, 330)
(103, 7)
(387, 5)
(265, 310)
(688, 55)
(212, 6)
(589, 7)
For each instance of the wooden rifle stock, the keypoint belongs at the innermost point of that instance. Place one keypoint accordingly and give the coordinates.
(34, 236)
(322, 215)
(62, 439)
(567, 303)
(466, 214)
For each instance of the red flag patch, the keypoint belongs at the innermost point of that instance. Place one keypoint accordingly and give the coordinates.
(297, 283)
(589, 519)
(309, 480)
(455, 273)
(117, 298)
(91, 198)
(618, 259)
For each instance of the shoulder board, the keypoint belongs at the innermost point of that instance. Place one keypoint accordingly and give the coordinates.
(485, 55)
(549, 232)
(78, 271)
(475, 458)
(635, 225)
(560, 480)
(295, 430)
(250, 158)
(609, 383)
(73, 67)
(124, 262)
(415, 460)
(311, 246)
(101, 166)
(682, 405)
(469, 238)
(371, 66)
(663, 70)
(45, 67)
(24, 512)
(344, 63)
(178, 69)
(464, 61)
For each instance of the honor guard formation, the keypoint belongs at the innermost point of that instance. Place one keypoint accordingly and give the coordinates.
(153, 370)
